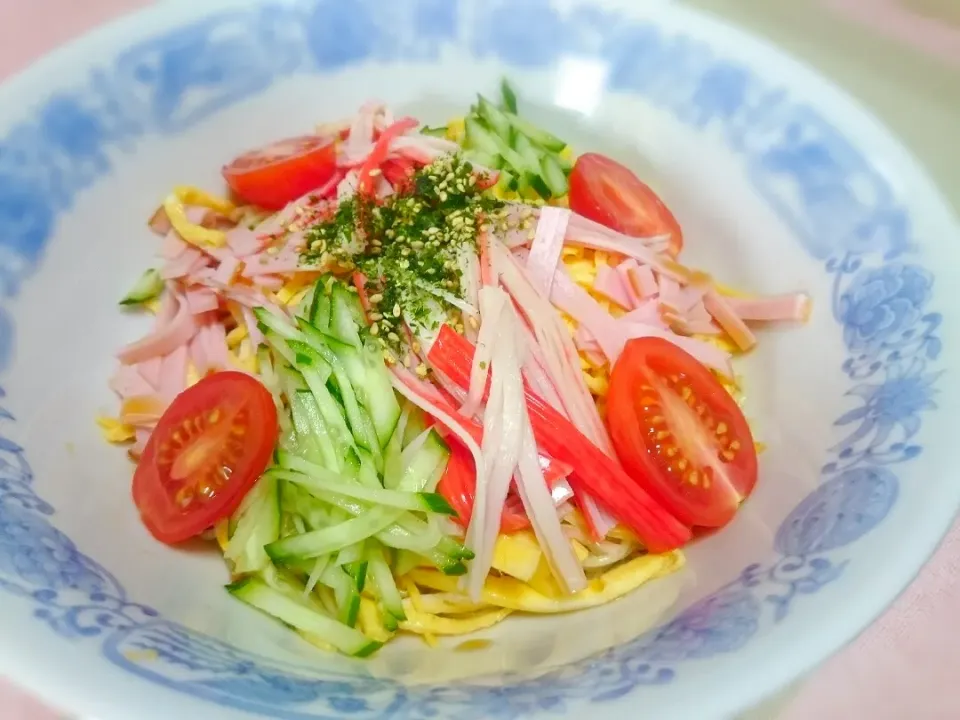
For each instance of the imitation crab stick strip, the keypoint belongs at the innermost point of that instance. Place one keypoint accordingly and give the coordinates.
(594, 472)
(365, 184)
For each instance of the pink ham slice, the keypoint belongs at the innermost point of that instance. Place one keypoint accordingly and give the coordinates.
(188, 262)
(201, 300)
(612, 334)
(127, 381)
(639, 280)
(547, 247)
(150, 370)
(163, 341)
(776, 308)
(728, 319)
(610, 284)
(173, 374)
(172, 246)
(227, 270)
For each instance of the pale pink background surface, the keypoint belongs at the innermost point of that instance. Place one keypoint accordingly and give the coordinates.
(906, 665)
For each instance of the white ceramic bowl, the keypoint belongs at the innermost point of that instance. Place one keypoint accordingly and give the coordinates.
(781, 182)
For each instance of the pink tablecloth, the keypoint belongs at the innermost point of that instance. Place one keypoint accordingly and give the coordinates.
(903, 666)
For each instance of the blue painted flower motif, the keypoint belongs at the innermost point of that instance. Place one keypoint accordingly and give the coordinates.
(39, 554)
(6, 346)
(182, 77)
(719, 623)
(893, 404)
(75, 131)
(26, 223)
(435, 20)
(526, 34)
(883, 304)
(721, 94)
(838, 512)
(339, 34)
(636, 53)
(348, 704)
(270, 689)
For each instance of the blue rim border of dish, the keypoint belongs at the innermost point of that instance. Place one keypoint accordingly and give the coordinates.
(795, 159)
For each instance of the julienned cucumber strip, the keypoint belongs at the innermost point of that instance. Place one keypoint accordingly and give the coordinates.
(507, 182)
(321, 480)
(553, 175)
(537, 184)
(393, 452)
(360, 423)
(305, 617)
(405, 562)
(540, 137)
(369, 377)
(358, 571)
(258, 525)
(493, 116)
(345, 591)
(346, 314)
(508, 97)
(478, 157)
(527, 151)
(319, 567)
(271, 380)
(334, 537)
(349, 555)
(393, 527)
(315, 432)
(383, 583)
(421, 471)
(367, 474)
(478, 138)
(147, 287)
(439, 132)
(330, 410)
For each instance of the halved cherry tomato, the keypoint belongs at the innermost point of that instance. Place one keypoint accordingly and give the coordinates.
(609, 193)
(283, 171)
(678, 432)
(208, 449)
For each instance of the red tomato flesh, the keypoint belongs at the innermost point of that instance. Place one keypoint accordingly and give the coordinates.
(677, 429)
(208, 449)
(609, 193)
(275, 175)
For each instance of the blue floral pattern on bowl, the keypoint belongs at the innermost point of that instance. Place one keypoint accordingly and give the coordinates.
(797, 161)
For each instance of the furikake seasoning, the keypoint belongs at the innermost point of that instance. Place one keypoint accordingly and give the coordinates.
(408, 245)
